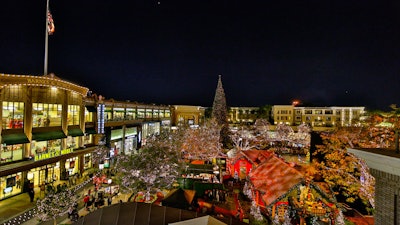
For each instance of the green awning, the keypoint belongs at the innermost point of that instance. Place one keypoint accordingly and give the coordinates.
(75, 132)
(12, 139)
(44, 136)
(90, 131)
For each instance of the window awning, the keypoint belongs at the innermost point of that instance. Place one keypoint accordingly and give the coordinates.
(91, 108)
(44, 136)
(12, 139)
(90, 131)
(75, 132)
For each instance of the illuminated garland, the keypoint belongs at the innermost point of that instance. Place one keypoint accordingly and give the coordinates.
(31, 213)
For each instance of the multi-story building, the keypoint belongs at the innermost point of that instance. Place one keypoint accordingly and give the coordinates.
(242, 115)
(50, 127)
(187, 115)
(317, 116)
(127, 124)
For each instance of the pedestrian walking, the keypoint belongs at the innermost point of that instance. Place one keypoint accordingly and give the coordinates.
(109, 200)
(86, 199)
(31, 192)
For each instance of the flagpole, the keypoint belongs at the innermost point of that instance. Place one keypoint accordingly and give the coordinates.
(46, 42)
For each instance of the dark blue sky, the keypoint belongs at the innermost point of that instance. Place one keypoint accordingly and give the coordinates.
(171, 52)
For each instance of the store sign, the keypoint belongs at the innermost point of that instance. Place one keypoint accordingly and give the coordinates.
(100, 118)
(42, 156)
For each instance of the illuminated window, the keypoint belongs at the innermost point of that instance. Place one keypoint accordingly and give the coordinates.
(11, 153)
(46, 115)
(107, 113)
(130, 114)
(13, 115)
(149, 113)
(118, 114)
(155, 113)
(161, 114)
(167, 113)
(141, 113)
(73, 114)
(88, 116)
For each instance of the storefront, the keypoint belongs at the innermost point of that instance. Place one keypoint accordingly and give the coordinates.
(116, 141)
(72, 166)
(10, 185)
(9, 153)
(131, 142)
(150, 129)
(87, 158)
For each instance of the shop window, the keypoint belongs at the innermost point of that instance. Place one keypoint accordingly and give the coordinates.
(73, 114)
(11, 153)
(13, 115)
(118, 114)
(130, 114)
(161, 114)
(149, 113)
(155, 113)
(141, 113)
(10, 185)
(167, 113)
(72, 142)
(88, 116)
(46, 149)
(87, 139)
(46, 115)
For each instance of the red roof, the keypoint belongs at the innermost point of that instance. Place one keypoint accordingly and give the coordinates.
(273, 177)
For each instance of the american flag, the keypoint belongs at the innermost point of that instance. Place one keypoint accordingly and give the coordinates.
(50, 23)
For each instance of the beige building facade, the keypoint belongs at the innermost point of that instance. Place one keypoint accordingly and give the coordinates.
(317, 116)
(187, 115)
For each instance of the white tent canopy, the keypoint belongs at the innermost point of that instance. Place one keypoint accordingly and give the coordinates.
(204, 220)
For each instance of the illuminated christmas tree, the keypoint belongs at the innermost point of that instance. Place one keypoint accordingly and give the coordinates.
(56, 204)
(220, 112)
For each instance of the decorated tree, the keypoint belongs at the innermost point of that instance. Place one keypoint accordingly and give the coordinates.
(56, 204)
(100, 154)
(203, 142)
(394, 117)
(261, 130)
(243, 139)
(347, 175)
(219, 114)
(155, 167)
(303, 135)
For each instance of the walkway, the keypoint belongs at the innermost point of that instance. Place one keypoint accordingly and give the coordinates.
(19, 210)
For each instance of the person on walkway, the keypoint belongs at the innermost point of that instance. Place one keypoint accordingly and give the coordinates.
(86, 199)
(31, 193)
(109, 200)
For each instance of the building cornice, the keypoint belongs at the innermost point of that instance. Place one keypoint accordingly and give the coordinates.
(46, 81)
(380, 162)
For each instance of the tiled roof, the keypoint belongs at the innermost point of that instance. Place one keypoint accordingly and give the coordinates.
(273, 177)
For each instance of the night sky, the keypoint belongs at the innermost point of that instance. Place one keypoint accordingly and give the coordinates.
(324, 53)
